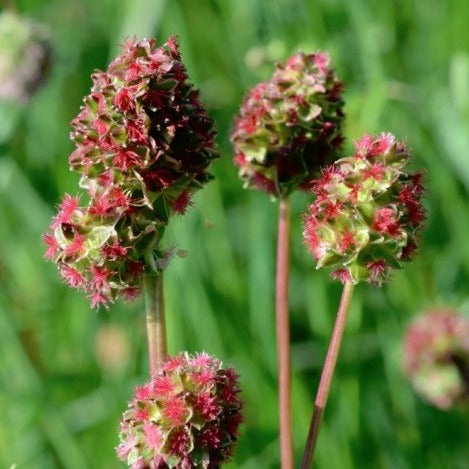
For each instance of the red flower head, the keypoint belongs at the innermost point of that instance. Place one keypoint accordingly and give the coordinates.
(179, 420)
(143, 147)
(436, 357)
(367, 212)
(290, 126)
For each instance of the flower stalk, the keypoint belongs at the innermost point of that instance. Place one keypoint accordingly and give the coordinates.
(155, 321)
(364, 222)
(283, 333)
(327, 374)
(286, 130)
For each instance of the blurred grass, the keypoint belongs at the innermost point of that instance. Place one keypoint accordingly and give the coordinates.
(406, 65)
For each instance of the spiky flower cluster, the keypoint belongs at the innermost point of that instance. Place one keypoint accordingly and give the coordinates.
(187, 416)
(143, 145)
(24, 56)
(436, 357)
(367, 212)
(289, 127)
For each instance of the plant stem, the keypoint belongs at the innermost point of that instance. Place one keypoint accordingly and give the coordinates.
(283, 334)
(327, 374)
(155, 320)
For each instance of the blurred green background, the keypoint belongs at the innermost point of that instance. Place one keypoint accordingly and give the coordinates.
(66, 372)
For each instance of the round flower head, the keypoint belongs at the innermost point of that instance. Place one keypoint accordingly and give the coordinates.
(367, 212)
(143, 145)
(436, 357)
(24, 56)
(187, 416)
(289, 127)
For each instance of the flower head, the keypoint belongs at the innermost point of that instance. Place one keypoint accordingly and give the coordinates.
(143, 147)
(436, 357)
(187, 416)
(367, 212)
(290, 126)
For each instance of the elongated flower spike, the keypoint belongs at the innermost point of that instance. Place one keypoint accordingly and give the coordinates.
(367, 213)
(436, 357)
(187, 416)
(289, 127)
(143, 146)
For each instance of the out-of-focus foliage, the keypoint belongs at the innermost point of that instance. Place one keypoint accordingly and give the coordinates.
(24, 56)
(66, 372)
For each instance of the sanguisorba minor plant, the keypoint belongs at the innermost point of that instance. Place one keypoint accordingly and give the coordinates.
(143, 147)
(286, 130)
(436, 357)
(363, 223)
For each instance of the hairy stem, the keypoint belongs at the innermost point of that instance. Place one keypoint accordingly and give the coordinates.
(283, 334)
(155, 320)
(327, 374)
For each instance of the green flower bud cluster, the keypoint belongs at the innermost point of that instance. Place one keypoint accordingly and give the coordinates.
(187, 416)
(290, 126)
(367, 212)
(143, 146)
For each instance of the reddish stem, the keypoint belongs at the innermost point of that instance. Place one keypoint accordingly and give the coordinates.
(283, 334)
(327, 374)
(155, 320)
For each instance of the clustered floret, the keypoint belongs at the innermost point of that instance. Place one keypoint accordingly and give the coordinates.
(436, 357)
(186, 417)
(289, 127)
(143, 145)
(25, 55)
(367, 212)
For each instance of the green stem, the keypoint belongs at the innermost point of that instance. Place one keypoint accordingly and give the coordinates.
(327, 374)
(283, 334)
(155, 320)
